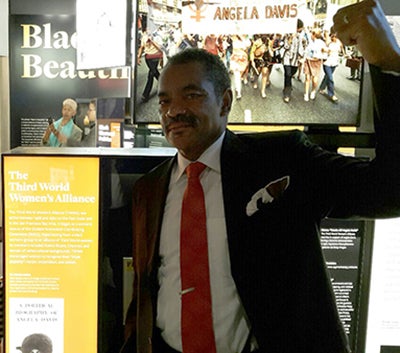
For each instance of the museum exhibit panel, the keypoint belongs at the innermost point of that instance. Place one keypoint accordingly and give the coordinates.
(67, 229)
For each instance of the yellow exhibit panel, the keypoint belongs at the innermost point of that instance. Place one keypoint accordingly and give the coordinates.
(51, 217)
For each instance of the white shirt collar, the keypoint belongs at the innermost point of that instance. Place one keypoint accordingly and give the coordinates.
(211, 157)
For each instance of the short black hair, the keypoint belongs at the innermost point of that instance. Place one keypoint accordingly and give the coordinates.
(214, 69)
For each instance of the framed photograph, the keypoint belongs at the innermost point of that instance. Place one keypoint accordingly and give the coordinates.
(231, 29)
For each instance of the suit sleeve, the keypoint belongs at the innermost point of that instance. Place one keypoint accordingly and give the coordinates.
(387, 109)
(376, 186)
(386, 88)
(344, 187)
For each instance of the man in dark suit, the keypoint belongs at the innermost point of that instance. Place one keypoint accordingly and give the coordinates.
(265, 196)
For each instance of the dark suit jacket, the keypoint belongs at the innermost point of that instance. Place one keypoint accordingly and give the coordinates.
(276, 258)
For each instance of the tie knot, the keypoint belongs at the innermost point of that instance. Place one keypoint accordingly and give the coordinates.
(193, 170)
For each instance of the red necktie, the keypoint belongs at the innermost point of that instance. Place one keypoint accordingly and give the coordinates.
(196, 317)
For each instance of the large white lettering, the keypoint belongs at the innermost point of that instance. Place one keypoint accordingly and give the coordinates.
(35, 37)
(34, 67)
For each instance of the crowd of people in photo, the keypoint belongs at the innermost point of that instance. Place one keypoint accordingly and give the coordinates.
(309, 55)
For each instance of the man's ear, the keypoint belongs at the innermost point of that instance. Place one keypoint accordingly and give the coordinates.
(227, 99)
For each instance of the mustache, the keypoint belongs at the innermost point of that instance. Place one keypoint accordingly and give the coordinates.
(181, 118)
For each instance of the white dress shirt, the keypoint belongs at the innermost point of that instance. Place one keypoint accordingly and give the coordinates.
(231, 326)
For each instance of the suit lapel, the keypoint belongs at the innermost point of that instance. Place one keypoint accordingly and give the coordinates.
(151, 207)
(158, 190)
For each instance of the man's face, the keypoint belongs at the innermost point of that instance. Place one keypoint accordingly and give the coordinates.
(191, 115)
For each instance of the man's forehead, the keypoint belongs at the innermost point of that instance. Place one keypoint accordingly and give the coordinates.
(183, 76)
(189, 68)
